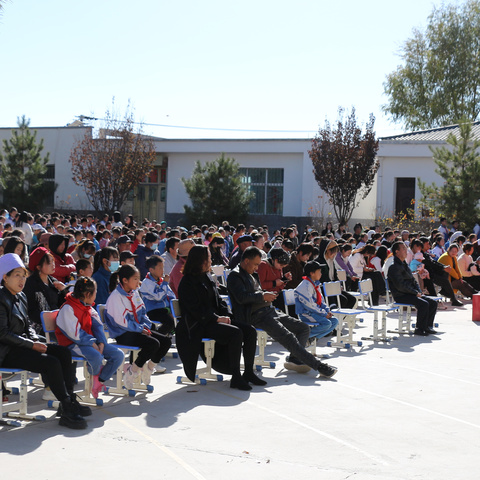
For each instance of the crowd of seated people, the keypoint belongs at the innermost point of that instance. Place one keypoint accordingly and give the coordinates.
(70, 262)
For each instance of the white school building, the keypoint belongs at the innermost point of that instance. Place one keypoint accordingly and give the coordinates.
(279, 171)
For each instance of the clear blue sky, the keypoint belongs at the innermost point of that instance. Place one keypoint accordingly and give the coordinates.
(250, 64)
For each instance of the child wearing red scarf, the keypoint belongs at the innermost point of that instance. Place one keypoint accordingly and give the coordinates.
(309, 304)
(80, 329)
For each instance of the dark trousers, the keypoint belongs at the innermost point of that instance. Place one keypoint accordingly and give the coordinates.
(230, 340)
(55, 366)
(153, 347)
(466, 289)
(426, 309)
(287, 331)
(346, 300)
(163, 316)
(378, 283)
(473, 281)
(443, 281)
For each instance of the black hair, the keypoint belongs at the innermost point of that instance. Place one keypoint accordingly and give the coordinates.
(84, 286)
(396, 246)
(104, 253)
(311, 267)
(82, 264)
(150, 237)
(197, 256)
(125, 272)
(153, 261)
(251, 252)
(170, 243)
(305, 248)
(11, 245)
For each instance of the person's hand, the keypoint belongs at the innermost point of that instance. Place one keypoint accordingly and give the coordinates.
(355, 279)
(59, 285)
(329, 315)
(224, 320)
(278, 282)
(166, 278)
(95, 346)
(448, 268)
(146, 331)
(39, 347)
(288, 276)
(419, 294)
(269, 296)
(101, 346)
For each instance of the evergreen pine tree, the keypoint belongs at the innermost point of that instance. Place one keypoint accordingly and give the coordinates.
(23, 170)
(459, 165)
(217, 193)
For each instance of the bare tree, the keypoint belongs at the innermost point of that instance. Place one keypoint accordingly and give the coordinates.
(344, 162)
(110, 166)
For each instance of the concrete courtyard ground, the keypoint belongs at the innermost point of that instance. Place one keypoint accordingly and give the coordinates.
(403, 410)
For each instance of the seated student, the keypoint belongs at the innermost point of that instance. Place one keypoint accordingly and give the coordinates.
(170, 255)
(342, 263)
(470, 271)
(64, 263)
(80, 329)
(127, 257)
(14, 244)
(157, 294)
(271, 276)
(177, 271)
(309, 304)
(449, 258)
(128, 323)
(145, 251)
(417, 266)
(42, 290)
(20, 346)
(84, 268)
(297, 263)
(106, 263)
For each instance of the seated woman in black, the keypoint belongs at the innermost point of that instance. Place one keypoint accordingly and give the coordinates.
(20, 346)
(205, 314)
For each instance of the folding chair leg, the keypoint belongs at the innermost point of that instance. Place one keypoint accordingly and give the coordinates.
(204, 374)
(259, 362)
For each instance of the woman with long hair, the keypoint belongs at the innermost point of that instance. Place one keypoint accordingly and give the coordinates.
(205, 314)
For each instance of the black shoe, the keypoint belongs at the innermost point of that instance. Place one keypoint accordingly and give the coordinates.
(420, 332)
(81, 410)
(326, 370)
(456, 303)
(252, 378)
(431, 331)
(69, 418)
(240, 383)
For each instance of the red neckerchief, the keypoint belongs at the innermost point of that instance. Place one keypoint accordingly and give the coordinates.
(317, 289)
(158, 282)
(134, 310)
(82, 313)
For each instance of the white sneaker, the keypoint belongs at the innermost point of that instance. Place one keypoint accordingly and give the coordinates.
(48, 394)
(147, 374)
(129, 376)
(159, 369)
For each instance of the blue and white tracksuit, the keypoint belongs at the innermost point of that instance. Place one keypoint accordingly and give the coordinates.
(83, 342)
(125, 312)
(155, 295)
(309, 311)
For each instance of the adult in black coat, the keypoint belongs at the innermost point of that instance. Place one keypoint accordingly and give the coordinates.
(205, 314)
(406, 290)
(20, 346)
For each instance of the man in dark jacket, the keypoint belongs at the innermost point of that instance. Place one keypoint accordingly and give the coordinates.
(406, 290)
(254, 306)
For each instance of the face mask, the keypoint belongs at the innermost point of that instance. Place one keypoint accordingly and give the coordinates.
(71, 243)
(309, 230)
(205, 232)
(86, 255)
(154, 246)
(114, 266)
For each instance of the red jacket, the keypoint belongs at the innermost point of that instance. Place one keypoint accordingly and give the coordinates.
(63, 267)
(267, 275)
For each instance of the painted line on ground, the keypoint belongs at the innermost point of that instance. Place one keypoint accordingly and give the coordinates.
(412, 405)
(161, 447)
(309, 427)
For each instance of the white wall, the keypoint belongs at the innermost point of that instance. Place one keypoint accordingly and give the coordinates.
(59, 141)
(403, 160)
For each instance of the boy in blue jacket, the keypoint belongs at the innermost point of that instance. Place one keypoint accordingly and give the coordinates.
(309, 304)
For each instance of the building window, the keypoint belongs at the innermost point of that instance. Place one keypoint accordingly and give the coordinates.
(267, 185)
(49, 176)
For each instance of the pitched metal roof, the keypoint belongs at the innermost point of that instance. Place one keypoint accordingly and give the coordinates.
(432, 135)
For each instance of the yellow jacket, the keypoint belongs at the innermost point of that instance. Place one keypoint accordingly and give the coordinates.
(454, 273)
